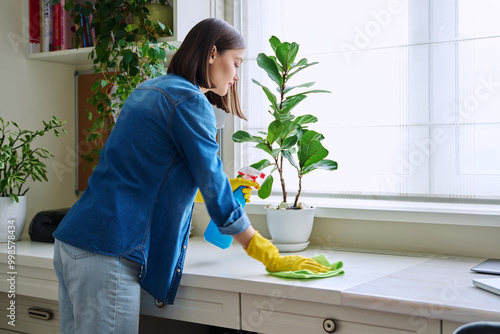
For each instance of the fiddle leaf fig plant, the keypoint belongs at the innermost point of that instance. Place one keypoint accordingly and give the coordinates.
(127, 53)
(287, 137)
(19, 161)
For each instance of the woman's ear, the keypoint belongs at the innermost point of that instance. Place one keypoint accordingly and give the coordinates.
(212, 54)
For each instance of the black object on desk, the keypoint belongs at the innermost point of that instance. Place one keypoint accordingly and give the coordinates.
(45, 223)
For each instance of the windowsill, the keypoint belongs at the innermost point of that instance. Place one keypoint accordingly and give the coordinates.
(379, 210)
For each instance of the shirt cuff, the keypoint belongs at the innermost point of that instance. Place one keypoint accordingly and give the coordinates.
(237, 225)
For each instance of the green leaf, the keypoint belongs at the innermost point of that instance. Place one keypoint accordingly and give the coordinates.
(301, 62)
(305, 119)
(273, 131)
(162, 26)
(289, 142)
(261, 164)
(286, 53)
(264, 147)
(275, 42)
(3, 185)
(300, 69)
(162, 54)
(100, 50)
(289, 88)
(270, 67)
(290, 158)
(127, 57)
(289, 128)
(131, 27)
(323, 164)
(310, 135)
(266, 187)
(276, 152)
(153, 53)
(95, 85)
(311, 153)
(312, 91)
(243, 136)
(99, 123)
(282, 54)
(292, 102)
(283, 116)
(278, 65)
(270, 96)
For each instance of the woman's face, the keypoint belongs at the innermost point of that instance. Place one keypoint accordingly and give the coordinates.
(223, 69)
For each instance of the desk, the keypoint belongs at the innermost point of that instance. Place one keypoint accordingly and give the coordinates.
(379, 293)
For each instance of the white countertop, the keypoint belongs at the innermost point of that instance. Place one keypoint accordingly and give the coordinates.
(422, 286)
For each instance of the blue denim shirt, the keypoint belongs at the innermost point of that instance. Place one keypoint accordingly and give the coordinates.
(140, 197)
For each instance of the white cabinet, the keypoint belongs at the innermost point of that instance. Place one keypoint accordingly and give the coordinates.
(279, 315)
(186, 14)
(203, 306)
(32, 315)
(31, 281)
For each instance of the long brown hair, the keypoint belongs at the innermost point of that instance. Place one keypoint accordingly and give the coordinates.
(191, 60)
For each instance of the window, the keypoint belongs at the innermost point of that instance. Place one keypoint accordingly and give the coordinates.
(414, 112)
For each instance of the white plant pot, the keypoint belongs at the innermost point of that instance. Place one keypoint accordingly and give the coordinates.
(12, 218)
(290, 229)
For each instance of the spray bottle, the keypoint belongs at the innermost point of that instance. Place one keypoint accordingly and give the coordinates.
(212, 233)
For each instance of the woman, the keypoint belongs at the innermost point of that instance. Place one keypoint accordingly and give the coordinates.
(130, 227)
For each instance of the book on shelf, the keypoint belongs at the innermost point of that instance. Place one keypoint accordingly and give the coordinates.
(51, 27)
(56, 27)
(34, 26)
(46, 26)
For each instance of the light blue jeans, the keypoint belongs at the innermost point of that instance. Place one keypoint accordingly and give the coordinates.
(97, 293)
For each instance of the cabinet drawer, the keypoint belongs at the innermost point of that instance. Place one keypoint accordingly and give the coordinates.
(30, 281)
(276, 315)
(198, 305)
(32, 315)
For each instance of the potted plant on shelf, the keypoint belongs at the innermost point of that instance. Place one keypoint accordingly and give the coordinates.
(287, 139)
(19, 162)
(128, 51)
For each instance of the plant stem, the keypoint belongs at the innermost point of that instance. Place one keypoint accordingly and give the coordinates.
(282, 180)
(298, 193)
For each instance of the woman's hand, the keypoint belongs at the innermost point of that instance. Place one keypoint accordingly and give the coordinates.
(247, 192)
(235, 184)
(264, 251)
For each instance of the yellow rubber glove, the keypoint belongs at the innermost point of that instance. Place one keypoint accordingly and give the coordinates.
(264, 251)
(235, 184)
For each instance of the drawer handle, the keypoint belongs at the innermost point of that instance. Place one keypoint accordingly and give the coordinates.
(39, 314)
(159, 304)
(329, 326)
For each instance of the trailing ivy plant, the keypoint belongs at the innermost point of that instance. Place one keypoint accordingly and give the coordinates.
(287, 136)
(128, 52)
(19, 161)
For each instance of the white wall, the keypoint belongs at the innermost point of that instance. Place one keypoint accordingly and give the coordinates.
(32, 91)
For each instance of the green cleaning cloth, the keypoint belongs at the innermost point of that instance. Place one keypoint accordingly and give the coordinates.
(335, 270)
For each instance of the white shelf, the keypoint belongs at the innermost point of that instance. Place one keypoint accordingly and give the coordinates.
(80, 56)
(72, 56)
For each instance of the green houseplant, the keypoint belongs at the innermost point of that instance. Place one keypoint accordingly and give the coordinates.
(288, 138)
(20, 162)
(128, 52)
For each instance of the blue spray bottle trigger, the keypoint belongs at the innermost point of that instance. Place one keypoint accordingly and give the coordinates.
(212, 233)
